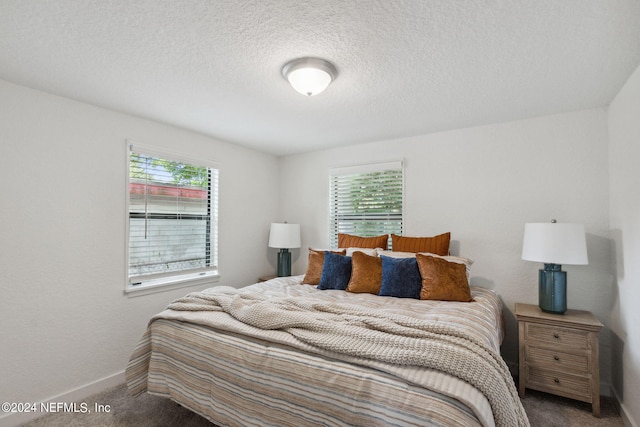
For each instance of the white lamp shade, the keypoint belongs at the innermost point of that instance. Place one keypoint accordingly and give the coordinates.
(284, 236)
(555, 243)
(309, 81)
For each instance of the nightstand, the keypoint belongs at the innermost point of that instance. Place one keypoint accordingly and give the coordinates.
(559, 353)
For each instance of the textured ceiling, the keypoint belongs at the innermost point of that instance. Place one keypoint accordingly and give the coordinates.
(405, 67)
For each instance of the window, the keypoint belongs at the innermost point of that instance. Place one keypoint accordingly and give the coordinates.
(366, 200)
(172, 209)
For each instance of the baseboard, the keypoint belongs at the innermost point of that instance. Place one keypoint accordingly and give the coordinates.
(622, 409)
(77, 394)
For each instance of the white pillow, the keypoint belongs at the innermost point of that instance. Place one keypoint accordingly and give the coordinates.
(395, 254)
(451, 258)
(367, 251)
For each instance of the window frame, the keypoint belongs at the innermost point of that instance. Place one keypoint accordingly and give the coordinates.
(139, 285)
(359, 170)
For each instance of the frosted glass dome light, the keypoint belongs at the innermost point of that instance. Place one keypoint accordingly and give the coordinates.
(309, 76)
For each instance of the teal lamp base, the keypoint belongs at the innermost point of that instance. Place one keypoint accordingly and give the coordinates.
(552, 291)
(284, 263)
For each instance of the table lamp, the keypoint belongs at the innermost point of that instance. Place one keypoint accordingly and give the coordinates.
(554, 244)
(284, 236)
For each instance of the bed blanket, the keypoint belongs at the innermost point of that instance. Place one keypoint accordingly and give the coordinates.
(357, 335)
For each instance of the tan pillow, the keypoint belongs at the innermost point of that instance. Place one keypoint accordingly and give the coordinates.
(349, 241)
(366, 273)
(438, 245)
(443, 280)
(314, 267)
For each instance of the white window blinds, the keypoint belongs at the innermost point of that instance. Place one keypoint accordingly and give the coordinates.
(173, 209)
(366, 200)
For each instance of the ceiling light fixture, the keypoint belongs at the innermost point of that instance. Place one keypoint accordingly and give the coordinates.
(309, 76)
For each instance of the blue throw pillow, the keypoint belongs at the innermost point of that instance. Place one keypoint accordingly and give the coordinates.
(336, 271)
(400, 278)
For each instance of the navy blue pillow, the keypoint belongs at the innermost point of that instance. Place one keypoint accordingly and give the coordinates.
(400, 278)
(336, 271)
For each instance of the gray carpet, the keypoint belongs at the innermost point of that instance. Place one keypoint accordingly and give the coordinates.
(547, 410)
(544, 410)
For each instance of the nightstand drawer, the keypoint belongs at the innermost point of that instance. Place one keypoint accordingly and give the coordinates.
(576, 362)
(561, 383)
(571, 337)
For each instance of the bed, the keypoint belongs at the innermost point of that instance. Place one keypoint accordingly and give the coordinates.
(286, 353)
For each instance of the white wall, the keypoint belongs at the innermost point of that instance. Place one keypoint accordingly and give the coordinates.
(624, 166)
(483, 184)
(64, 320)
(65, 323)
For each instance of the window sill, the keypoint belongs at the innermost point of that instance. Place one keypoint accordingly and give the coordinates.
(170, 283)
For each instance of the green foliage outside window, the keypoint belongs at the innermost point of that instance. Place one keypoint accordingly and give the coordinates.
(182, 174)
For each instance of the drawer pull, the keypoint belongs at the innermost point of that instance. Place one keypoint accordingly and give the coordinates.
(556, 336)
(556, 380)
(556, 357)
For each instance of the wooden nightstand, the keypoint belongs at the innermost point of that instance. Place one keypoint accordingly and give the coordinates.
(559, 353)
